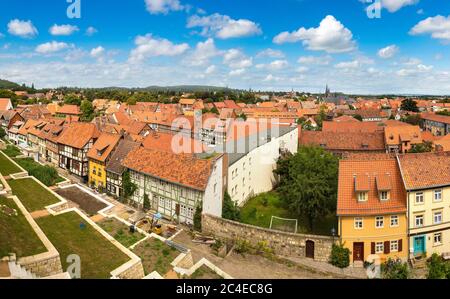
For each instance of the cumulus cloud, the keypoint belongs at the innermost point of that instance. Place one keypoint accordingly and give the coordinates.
(388, 52)
(63, 29)
(163, 6)
(270, 53)
(315, 60)
(236, 59)
(211, 69)
(395, 5)
(224, 27)
(97, 52)
(24, 29)
(354, 64)
(415, 70)
(237, 72)
(274, 65)
(331, 36)
(203, 52)
(149, 46)
(90, 31)
(51, 47)
(438, 27)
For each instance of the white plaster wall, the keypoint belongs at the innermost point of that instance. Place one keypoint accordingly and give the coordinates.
(212, 199)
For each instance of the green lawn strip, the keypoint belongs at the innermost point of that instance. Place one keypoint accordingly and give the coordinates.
(98, 255)
(32, 195)
(205, 272)
(44, 173)
(259, 210)
(7, 167)
(120, 232)
(12, 151)
(16, 234)
(156, 256)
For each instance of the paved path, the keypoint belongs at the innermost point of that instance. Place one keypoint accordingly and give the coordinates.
(39, 214)
(97, 218)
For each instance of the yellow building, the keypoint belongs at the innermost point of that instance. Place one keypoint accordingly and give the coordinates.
(99, 155)
(372, 209)
(427, 181)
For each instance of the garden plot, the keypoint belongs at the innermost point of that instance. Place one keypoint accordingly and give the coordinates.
(86, 202)
(120, 232)
(156, 256)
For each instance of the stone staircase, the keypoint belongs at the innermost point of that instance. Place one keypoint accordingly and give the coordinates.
(19, 272)
(419, 268)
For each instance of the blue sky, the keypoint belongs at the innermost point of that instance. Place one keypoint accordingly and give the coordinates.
(258, 44)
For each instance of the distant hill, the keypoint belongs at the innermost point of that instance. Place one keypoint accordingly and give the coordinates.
(5, 84)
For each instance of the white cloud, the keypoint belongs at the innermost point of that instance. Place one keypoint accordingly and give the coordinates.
(412, 62)
(415, 70)
(388, 52)
(148, 46)
(51, 47)
(395, 5)
(270, 78)
(274, 65)
(90, 31)
(270, 53)
(237, 72)
(302, 69)
(438, 27)
(354, 64)
(23, 29)
(331, 36)
(223, 26)
(163, 6)
(211, 69)
(97, 52)
(203, 52)
(235, 59)
(63, 29)
(317, 60)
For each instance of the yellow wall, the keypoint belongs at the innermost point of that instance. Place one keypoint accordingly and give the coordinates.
(427, 209)
(96, 179)
(369, 233)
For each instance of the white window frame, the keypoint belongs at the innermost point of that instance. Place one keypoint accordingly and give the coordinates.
(436, 192)
(362, 195)
(419, 217)
(379, 247)
(434, 239)
(393, 245)
(434, 217)
(397, 221)
(358, 223)
(379, 219)
(382, 197)
(420, 195)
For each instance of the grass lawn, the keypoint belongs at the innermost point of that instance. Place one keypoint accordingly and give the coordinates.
(32, 195)
(260, 209)
(120, 232)
(205, 272)
(156, 256)
(46, 174)
(12, 151)
(98, 256)
(7, 167)
(16, 234)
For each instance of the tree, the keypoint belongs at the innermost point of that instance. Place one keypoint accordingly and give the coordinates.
(2, 133)
(72, 99)
(87, 111)
(358, 117)
(198, 217)
(438, 268)
(413, 119)
(128, 186)
(308, 183)
(425, 147)
(230, 209)
(146, 203)
(340, 256)
(394, 270)
(409, 105)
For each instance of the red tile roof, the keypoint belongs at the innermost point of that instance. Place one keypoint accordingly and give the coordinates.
(77, 135)
(103, 147)
(397, 134)
(436, 117)
(344, 141)
(351, 126)
(69, 109)
(172, 143)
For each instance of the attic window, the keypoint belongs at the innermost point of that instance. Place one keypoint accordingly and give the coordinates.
(391, 137)
(323, 145)
(364, 145)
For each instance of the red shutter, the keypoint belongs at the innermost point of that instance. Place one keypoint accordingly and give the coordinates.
(387, 247)
(372, 247)
(400, 245)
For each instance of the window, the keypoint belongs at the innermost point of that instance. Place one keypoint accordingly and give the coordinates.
(379, 247)
(394, 246)
(358, 223)
(419, 197)
(362, 196)
(437, 195)
(437, 239)
(379, 222)
(394, 221)
(419, 220)
(384, 195)
(437, 217)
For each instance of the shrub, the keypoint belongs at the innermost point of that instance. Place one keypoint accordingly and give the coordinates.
(242, 246)
(2, 133)
(230, 209)
(198, 217)
(437, 267)
(395, 269)
(12, 151)
(340, 256)
(46, 174)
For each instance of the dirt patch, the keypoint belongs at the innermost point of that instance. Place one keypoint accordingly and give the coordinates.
(205, 272)
(156, 256)
(86, 202)
(4, 269)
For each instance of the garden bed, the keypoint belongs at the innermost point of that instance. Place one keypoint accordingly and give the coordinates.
(32, 195)
(204, 272)
(44, 173)
(85, 201)
(12, 151)
(16, 234)
(70, 234)
(7, 167)
(120, 232)
(156, 256)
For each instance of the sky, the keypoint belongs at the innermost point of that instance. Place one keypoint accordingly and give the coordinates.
(354, 46)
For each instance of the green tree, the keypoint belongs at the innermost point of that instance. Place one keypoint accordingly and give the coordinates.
(72, 99)
(128, 186)
(424, 147)
(2, 133)
(87, 110)
(230, 209)
(308, 183)
(409, 105)
(438, 268)
(198, 217)
(146, 203)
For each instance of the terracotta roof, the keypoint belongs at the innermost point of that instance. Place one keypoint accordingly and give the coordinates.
(77, 135)
(443, 143)
(135, 127)
(187, 101)
(397, 134)
(362, 182)
(427, 170)
(69, 109)
(123, 148)
(351, 126)
(172, 143)
(103, 147)
(346, 118)
(375, 171)
(436, 117)
(344, 140)
(51, 132)
(183, 169)
(231, 104)
(27, 126)
(5, 104)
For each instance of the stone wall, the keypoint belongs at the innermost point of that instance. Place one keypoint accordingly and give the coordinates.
(283, 244)
(135, 271)
(42, 265)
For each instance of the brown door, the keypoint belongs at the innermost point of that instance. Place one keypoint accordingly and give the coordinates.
(358, 252)
(310, 249)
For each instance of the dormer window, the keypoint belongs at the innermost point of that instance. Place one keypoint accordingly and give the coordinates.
(362, 196)
(384, 186)
(362, 187)
(384, 195)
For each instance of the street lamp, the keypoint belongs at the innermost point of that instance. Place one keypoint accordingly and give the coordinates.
(333, 233)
